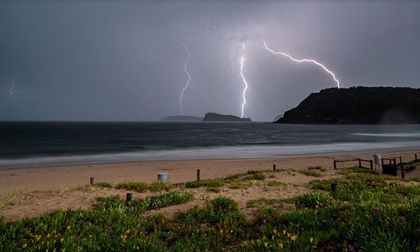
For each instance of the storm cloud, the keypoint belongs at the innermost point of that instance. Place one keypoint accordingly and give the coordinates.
(123, 60)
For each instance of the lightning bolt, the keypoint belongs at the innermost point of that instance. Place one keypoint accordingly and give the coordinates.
(242, 61)
(12, 90)
(187, 84)
(304, 61)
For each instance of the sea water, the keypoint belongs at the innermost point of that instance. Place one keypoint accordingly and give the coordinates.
(43, 143)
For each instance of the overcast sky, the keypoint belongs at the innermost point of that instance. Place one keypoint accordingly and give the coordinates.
(123, 60)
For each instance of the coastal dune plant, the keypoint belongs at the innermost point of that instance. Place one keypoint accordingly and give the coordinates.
(313, 200)
(205, 183)
(116, 204)
(135, 186)
(103, 185)
(377, 216)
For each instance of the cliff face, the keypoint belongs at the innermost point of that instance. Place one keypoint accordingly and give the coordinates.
(214, 117)
(357, 105)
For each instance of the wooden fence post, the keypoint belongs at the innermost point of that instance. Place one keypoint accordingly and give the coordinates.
(402, 168)
(92, 180)
(371, 164)
(274, 167)
(335, 165)
(360, 163)
(198, 174)
(333, 187)
(128, 197)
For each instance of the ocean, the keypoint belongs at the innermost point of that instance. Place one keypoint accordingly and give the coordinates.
(47, 143)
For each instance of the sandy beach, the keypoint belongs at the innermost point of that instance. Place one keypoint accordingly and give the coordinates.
(55, 177)
(30, 192)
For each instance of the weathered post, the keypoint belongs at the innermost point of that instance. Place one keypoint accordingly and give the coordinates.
(274, 167)
(360, 163)
(198, 174)
(335, 164)
(415, 156)
(128, 197)
(402, 169)
(92, 181)
(371, 164)
(333, 187)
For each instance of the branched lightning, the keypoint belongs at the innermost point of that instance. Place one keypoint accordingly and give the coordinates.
(242, 61)
(304, 60)
(187, 84)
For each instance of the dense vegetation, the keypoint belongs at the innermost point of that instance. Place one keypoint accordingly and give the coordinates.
(364, 213)
(364, 105)
(215, 117)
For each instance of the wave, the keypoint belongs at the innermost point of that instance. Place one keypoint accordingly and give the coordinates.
(225, 152)
(409, 135)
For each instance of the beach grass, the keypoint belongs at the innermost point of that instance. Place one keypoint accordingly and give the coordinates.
(103, 185)
(365, 212)
(312, 173)
(156, 186)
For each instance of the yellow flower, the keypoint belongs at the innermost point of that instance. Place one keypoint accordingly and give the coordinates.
(37, 237)
(24, 245)
(280, 246)
(311, 239)
(293, 237)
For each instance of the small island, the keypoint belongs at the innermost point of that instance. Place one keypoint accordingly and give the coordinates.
(357, 105)
(182, 118)
(215, 117)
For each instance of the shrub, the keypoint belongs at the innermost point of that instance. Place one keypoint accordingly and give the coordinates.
(205, 183)
(275, 183)
(160, 186)
(103, 185)
(254, 176)
(319, 168)
(224, 204)
(312, 173)
(135, 186)
(213, 189)
(313, 200)
(152, 202)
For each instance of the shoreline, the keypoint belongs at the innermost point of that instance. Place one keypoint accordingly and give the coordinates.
(70, 175)
(211, 153)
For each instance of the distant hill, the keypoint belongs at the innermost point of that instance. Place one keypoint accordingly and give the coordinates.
(214, 117)
(181, 118)
(357, 105)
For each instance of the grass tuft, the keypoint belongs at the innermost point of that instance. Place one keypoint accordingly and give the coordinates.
(103, 185)
(311, 173)
(135, 186)
(205, 183)
(319, 168)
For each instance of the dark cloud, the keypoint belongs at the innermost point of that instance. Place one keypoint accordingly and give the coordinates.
(112, 60)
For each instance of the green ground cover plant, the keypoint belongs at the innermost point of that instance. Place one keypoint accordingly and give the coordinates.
(156, 186)
(135, 186)
(364, 213)
(103, 185)
(312, 173)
